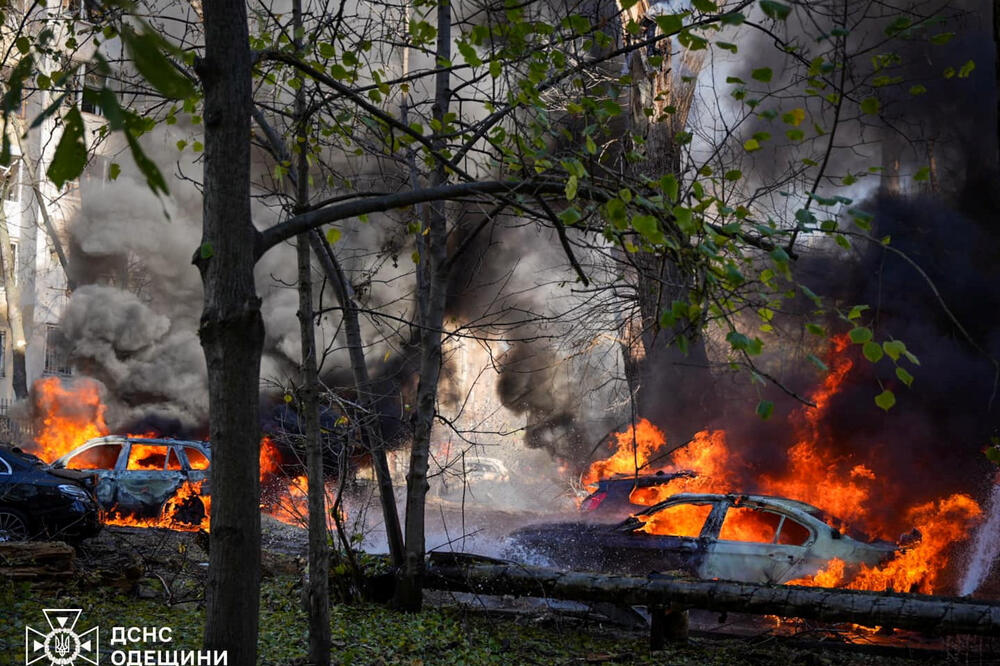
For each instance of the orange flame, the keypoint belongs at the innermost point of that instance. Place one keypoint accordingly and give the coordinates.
(181, 512)
(814, 473)
(71, 412)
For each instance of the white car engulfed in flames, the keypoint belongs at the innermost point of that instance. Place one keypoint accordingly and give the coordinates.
(159, 480)
(748, 538)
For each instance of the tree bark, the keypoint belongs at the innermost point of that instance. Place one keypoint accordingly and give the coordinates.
(15, 319)
(432, 292)
(232, 335)
(318, 588)
(903, 611)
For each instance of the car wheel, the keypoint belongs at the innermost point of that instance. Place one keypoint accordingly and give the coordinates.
(13, 526)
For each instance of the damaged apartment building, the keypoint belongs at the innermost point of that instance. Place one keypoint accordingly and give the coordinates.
(37, 216)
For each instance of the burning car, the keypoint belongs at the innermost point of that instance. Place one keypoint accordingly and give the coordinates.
(748, 538)
(145, 477)
(612, 498)
(35, 502)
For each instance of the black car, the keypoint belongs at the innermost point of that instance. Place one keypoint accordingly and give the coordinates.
(38, 503)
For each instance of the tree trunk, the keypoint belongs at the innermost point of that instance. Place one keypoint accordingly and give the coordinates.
(432, 292)
(318, 587)
(43, 210)
(903, 611)
(12, 292)
(232, 335)
(371, 433)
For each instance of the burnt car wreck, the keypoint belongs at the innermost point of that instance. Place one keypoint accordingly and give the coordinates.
(139, 477)
(40, 503)
(745, 538)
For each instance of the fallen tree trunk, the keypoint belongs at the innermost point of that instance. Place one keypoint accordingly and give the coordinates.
(36, 559)
(940, 615)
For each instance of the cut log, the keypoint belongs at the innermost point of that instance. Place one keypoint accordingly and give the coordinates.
(941, 615)
(36, 559)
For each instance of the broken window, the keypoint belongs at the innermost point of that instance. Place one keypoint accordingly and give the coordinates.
(147, 457)
(754, 525)
(793, 533)
(97, 457)
(196, 458)
(685, 520)
(173, 462)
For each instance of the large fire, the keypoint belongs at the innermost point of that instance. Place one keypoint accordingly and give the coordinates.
(814, 473)
(70, 412)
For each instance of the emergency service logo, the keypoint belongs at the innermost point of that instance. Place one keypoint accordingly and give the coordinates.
(61, 645)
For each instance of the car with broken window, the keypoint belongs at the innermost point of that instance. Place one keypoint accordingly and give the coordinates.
(39, 503)
(747, 538)
(612, 499)
(137, 475)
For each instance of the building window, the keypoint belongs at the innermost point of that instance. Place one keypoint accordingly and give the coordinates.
(3, 353)
(94, 81)
(10, 181)
(56, 358)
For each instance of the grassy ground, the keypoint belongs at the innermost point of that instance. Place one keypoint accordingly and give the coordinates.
(370, 634)
(155, 578)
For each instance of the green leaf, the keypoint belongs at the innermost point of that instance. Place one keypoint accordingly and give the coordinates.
(469, 53)
(669, 23)
(942, 38)
(571, 186)
(870, 106)
(886, 399)
(872, 351)
(570, 216)
(114, 171)
(794, 117)
(775, 10)
(705, 6)
(764, 409)
(764, 74)
(993, 454)
(648, 227)
(894, 348)
(146, 50)
(860, 334)
(670, 187)
(966, 69)
(856, 311)
(734, 174)
(904, 376)
(751, 145)
(154, 179)
(206, 251)
(71, 153)
(922, 174)
(918, 89)
(333, 235)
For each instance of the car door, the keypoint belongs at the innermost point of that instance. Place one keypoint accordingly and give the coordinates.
(756, 545)
(148, 474)
(670, 538)
(103, 460)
